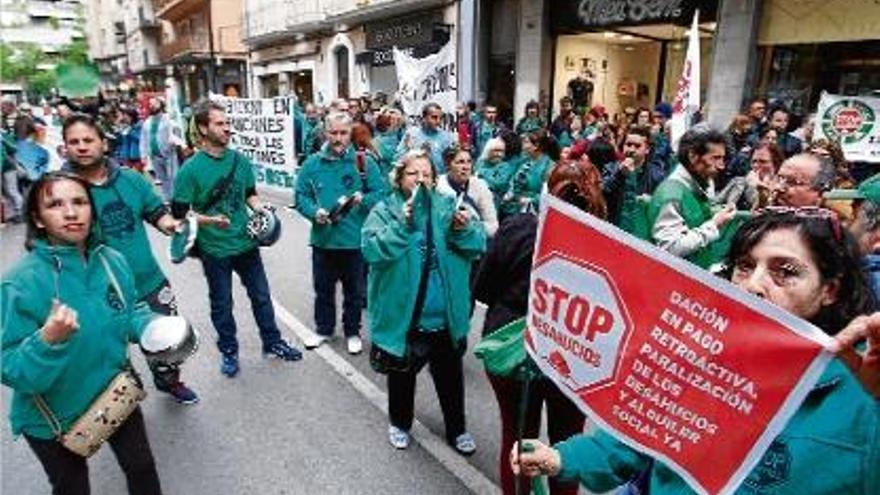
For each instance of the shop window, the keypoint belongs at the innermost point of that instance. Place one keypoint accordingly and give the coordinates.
(269, 85)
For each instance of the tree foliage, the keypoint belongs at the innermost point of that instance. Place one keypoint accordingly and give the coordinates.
(28, 65)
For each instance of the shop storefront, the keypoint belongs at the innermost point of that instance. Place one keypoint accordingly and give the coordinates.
(286, 69)
(808, 47)
(625, 54)
(420, 34)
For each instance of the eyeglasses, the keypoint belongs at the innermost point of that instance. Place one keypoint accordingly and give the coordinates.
(786, 181)
(808, 213)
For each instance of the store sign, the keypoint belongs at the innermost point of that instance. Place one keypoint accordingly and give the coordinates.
(853, 122)
(262, 129)
(402, 32)
(668, 358)
(575, 15)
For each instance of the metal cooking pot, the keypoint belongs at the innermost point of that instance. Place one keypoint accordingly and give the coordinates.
(169, 341)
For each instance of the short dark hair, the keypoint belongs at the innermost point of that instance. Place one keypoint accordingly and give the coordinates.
(697, 140)
(532, 104)
(430, 106)
(545, 142)
(512, 144)
(601, 153)
(201, 112)
(452, 151)
(640, 130)
(566, 99)
(32, 203)
(84, 119)
(832, 248)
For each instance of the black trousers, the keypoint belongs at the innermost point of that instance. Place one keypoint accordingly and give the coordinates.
(69, 473)
(443, 358)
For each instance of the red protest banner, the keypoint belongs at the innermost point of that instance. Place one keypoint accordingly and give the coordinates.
(670, 359)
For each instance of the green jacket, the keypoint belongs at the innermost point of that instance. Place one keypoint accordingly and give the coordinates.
(830, 446)
(497, 177)
(69, 375)
(693, 205)
(123, 203)
(391, 247)
(323, 179)
(528, 125)
(527, 182)
(194, 185)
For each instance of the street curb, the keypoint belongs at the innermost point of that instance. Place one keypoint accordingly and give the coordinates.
(433, 444)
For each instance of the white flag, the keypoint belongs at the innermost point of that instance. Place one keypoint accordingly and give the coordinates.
(687, 97)
(173, 110)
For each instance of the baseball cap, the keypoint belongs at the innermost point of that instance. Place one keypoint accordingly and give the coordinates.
(869, 189)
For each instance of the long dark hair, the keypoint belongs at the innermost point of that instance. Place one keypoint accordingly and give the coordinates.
(834, 251)
(32, 205)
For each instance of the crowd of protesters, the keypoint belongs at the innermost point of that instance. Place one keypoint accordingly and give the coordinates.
(408, 213)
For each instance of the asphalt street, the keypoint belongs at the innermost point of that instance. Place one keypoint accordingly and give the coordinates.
(311, 427)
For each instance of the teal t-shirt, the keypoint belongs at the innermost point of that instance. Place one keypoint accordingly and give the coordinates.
(197, 179)
(123, 204)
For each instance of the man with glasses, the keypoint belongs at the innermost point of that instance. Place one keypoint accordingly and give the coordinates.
(680, 216)
(801, 181)
(430, 136)
(335, 190)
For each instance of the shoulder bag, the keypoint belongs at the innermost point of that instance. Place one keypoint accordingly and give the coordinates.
(107, 413)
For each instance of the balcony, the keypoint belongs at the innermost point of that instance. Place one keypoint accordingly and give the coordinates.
(186, 46)
(54, 10)
(344, 13)
(175, 10)
(270, 19)
(147, 22)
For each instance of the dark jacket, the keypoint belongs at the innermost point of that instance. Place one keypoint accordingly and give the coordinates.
(502, 282)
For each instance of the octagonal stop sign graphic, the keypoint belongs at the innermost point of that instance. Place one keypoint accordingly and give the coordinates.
(577, 323)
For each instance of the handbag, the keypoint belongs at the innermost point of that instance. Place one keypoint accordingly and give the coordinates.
(107, 413)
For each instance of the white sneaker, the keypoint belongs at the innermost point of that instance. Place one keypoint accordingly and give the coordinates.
(355, 345)
(314, 340)
(398, 438)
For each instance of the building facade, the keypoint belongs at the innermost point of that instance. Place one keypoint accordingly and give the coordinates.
(322, 50)
(143, 33)
(49, 25)
(202, 43)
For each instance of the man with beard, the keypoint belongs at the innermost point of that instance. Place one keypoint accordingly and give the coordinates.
(680, 213)
(123, 200)
(218, 185)
(157, 146)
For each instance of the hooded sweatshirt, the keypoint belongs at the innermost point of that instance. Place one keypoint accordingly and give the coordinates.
(71, 374)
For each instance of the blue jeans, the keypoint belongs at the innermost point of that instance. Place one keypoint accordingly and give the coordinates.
(249, 267)
(338, 265)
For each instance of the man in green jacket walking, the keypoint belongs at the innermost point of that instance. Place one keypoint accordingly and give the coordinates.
(680, 215)
(335, 190)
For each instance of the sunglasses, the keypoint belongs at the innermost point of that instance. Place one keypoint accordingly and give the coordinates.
(808, 213)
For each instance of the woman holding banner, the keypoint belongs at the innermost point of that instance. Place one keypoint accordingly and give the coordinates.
(803, 261)
(503, 284)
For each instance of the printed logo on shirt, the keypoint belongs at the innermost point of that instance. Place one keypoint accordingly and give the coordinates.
(773, 470)
(117, 220)
(114, 300)
(348, 181)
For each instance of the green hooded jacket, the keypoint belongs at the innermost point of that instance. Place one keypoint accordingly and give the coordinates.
(71, 374)
(391, 247)
(325, 178)
(830, 446)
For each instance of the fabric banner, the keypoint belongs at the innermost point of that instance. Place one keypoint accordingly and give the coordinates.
(432, 79)
(671, 360)
(687, 96)
(262, 129)
(851, 121)
(174, 111)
